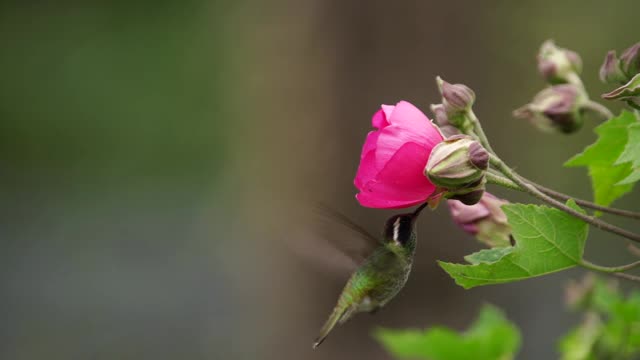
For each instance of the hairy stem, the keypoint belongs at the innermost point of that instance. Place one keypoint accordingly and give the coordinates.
(606, 269)
(532, 190)
(599, 108)
(504, 182)
(627, 276)
(479, 132)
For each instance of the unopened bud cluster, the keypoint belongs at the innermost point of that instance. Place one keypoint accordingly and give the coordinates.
(624, 70)
(562, 106)
(616, 70)
(458, 164)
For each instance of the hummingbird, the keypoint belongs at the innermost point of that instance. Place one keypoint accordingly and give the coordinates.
(382, 274)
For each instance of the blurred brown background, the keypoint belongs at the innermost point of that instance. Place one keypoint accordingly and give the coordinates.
(156, 158)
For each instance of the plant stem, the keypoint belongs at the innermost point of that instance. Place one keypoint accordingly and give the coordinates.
(599, 108)
(499, 180)
(606, 269)
(479, 132)
(502, 181)
(532, 190)
(627, 276)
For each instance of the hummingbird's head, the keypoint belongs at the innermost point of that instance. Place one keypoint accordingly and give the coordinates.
(401, 228)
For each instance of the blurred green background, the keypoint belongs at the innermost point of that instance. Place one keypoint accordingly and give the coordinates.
(157, 159)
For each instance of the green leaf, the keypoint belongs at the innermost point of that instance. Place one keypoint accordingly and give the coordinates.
(488, 256)
(491, 337)
(602, 159)
(547, 240)
(631, 154)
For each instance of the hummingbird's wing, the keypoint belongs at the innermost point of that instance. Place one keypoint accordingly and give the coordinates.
(344, 220)
(329, 239)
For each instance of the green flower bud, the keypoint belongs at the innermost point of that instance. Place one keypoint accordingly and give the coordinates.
(441, 119)
(558, 65)
(610, 71)
(630, 60)
(556, 108)
(627, 92)
(456, 163)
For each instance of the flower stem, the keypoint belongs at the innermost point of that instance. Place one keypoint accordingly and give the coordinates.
(599, 108)
(504, 182)
(532, 190)
(627, 276)
(479, 132)
(606, 269)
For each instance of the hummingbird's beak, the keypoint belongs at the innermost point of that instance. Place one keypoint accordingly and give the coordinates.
(419, 209)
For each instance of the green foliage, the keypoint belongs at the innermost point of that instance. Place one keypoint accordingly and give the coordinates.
(611, 326)
(490, 337)
(631, 154)
(547, 240)
(610, 177)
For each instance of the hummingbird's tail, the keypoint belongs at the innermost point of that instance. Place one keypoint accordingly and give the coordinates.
(338, 313)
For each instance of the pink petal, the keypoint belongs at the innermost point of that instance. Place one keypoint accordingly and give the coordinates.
(410, 117)
(388, 110)
(379, 119)
(367, 170)
(370, 143)
(401, 182)
(372, 201)
(406, 170)
(408, 124)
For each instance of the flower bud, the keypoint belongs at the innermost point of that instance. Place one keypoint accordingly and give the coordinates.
(630, 61)
(556, 108)
(556, 65)
(485, 220)
(457, 162)
(469, 195)
(627, 92)
(456, 98)
(610, 71)
(441, 119)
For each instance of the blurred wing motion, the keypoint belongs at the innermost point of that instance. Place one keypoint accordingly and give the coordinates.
(329, 239)
(370, 241)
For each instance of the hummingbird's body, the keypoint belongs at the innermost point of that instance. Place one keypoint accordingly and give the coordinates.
(381, 276)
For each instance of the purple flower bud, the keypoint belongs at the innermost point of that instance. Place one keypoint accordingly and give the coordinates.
(457, 100)
(458, 162)
(557, 64)
(485, 220)
(556, 108)
(468, 196)
(610, 71)
(630, 60)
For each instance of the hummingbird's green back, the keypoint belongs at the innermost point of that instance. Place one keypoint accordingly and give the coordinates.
(381, 276)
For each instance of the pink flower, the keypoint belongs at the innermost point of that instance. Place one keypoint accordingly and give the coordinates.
(391, 171)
